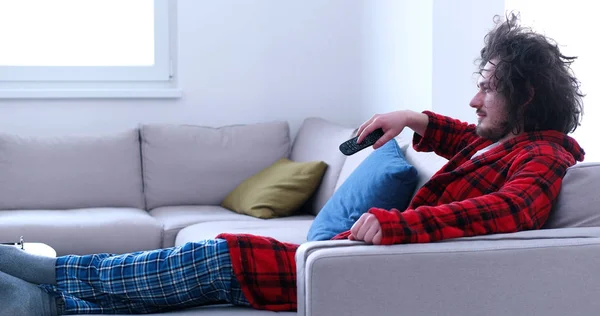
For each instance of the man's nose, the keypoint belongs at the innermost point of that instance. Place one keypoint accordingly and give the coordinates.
(476, 102)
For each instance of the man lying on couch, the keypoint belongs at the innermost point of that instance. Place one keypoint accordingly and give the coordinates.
(503, 175)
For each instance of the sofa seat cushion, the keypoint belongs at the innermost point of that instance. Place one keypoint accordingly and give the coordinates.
(200, 165)
(83, 231)
(174, 218)
(291, 230)
(297, 217)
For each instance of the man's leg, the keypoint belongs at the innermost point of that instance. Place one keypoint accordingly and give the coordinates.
(23, 265)
(18, 297)
(194, 274)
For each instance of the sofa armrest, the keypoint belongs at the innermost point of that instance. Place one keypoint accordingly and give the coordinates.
(525, 273)
(302, 254)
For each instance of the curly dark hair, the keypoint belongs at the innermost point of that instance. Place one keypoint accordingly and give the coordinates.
(534, 76)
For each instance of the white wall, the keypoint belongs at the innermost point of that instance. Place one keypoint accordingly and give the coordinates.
(261, 60)
(421, 54)
(458, 30)
(239, 62)
(398, 56)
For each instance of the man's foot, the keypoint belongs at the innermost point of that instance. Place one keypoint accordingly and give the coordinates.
(26, 266)
(18, 297)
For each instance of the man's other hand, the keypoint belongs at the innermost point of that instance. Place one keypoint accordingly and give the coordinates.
(367, 229)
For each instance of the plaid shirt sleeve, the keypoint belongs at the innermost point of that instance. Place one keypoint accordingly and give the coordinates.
(444, 135)
(523, 202)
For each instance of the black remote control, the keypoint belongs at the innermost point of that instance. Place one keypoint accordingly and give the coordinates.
(350, 146)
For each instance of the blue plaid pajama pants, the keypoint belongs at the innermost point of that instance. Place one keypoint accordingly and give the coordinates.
(194, 274)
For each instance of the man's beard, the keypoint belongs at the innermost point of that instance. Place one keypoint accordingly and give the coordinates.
(495, 133)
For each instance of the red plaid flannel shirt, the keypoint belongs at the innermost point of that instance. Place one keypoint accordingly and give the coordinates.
(509, 188)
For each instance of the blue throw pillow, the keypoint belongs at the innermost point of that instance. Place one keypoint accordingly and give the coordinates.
(384, 180)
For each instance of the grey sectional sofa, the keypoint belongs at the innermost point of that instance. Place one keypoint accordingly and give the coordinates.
(161, 185)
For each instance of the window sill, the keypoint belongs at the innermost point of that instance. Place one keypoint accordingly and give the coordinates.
(164, 93)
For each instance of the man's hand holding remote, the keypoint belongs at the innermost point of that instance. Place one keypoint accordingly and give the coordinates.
(392, 124)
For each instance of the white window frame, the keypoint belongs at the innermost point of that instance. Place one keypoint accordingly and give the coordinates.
(156, 81)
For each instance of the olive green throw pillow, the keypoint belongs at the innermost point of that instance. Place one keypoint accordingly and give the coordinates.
(278, 190)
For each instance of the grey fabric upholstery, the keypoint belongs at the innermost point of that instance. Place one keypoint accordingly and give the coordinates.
(477, 277)
(578, 203)
(83, 231)
(319, 139)
(198, 165)
(175, 218)
(70, 171)
(427, 164)
(292, 231)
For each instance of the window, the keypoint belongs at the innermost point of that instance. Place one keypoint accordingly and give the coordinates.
(99, 46)
(570, 24)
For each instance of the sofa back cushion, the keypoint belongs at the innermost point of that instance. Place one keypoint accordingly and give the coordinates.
(578, 201)
(319, 140)
(70, 171)
(200, 165)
